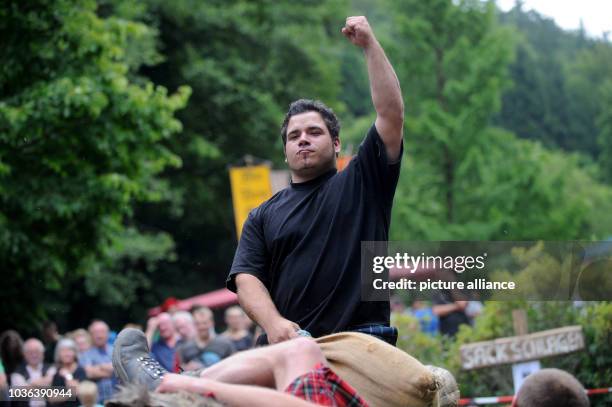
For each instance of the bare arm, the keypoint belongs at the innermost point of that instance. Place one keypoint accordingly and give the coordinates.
(255, 299)
(152, 324)
(384, 85)
(232, 394)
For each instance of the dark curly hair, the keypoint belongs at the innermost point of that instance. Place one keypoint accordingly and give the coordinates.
(307, 105)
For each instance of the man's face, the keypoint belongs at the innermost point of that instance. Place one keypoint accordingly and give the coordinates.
(310, 150)
(99, 334)
(203, 323)
(166, 327)
(184, 327)
(234, 320)
(33, 353)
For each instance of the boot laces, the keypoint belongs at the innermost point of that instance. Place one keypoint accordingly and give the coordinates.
(152, 366)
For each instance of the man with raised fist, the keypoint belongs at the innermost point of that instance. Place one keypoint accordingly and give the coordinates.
(297, 266)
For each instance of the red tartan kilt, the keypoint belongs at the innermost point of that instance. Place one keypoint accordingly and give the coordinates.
(323, 387)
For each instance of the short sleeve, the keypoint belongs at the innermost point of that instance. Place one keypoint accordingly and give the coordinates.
(379, 175)
(251, 256)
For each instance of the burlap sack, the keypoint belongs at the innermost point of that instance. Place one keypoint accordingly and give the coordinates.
(383, 375)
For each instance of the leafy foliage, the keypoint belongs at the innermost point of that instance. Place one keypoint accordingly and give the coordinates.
(79, 144)
(464, 178)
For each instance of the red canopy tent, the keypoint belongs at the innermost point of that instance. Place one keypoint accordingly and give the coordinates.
(214, 299)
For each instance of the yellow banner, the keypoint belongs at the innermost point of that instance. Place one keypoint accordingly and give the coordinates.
(250, 187)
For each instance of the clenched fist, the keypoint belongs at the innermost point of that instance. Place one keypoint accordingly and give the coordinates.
(358, 31)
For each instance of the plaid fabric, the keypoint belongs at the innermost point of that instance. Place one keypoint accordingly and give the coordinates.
(386, 333)
(323, 387)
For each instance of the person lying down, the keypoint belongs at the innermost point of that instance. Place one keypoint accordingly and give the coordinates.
(344, 369)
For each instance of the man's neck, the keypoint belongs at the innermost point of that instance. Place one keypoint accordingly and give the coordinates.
(297, 178)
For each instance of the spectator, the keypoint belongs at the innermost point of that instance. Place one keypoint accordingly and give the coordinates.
(450, 311)
(97, 361)
(193, 310)
(428, 321)
(33, 372)
(185, 328)
(87, 393)
(236, 331)
(184, 325)
(204, 350)
(164, 348)
(551, 388)
(11, 352)
(82, 338)
(69, 373)
(50, 337)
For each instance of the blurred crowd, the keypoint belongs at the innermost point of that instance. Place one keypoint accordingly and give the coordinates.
(81, 360)
(444, 314)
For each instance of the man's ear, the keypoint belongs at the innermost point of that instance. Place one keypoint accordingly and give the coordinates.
(337, 146)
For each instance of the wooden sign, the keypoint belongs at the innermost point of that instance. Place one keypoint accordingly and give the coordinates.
(522, 348)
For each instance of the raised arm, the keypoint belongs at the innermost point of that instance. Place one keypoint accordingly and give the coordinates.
(384, 85)
(256, 302)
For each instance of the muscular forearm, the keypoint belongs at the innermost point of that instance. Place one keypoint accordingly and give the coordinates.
(384, 85)
(256, 301)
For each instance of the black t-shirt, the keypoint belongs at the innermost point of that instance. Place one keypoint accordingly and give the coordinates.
(304, 243)
(449, 323)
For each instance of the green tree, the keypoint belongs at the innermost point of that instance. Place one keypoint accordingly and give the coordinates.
(557, 77)
(464, 178)
(452, 58)
(79, 144)
(605, 135)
